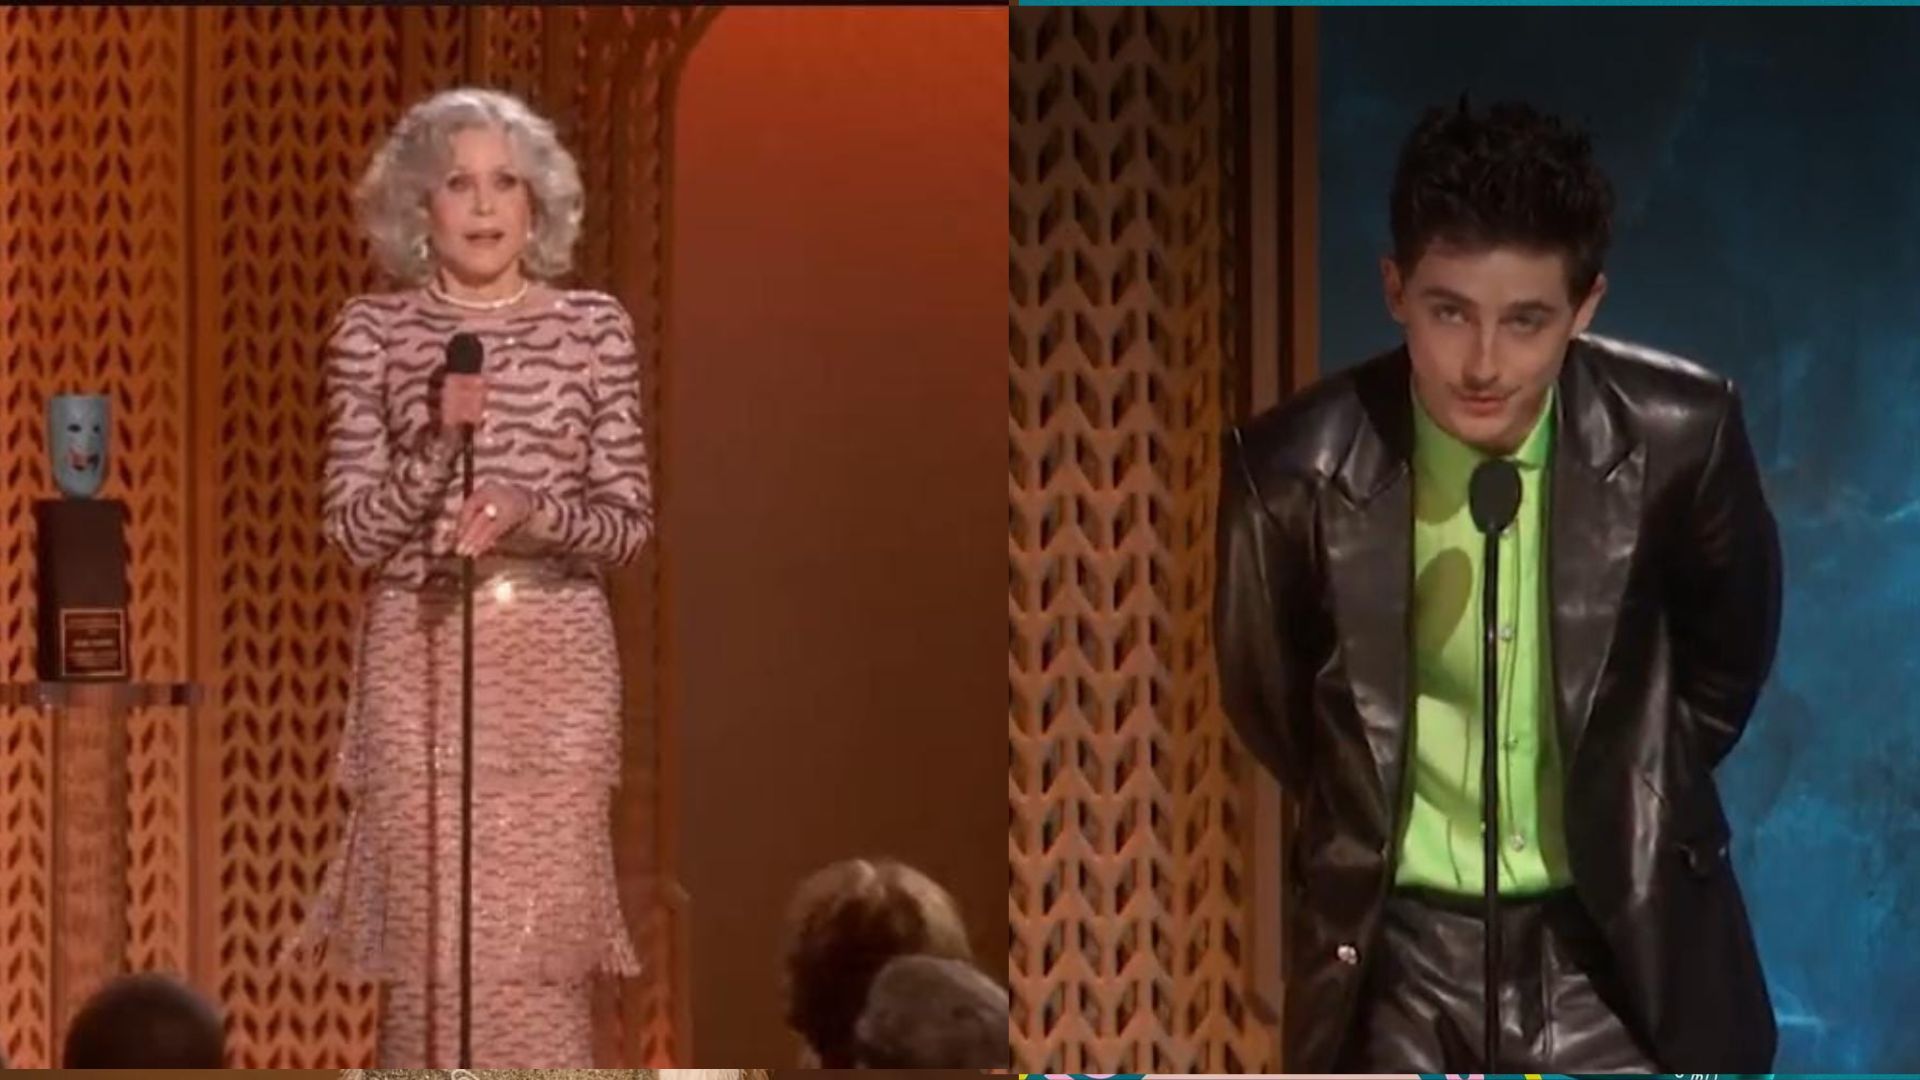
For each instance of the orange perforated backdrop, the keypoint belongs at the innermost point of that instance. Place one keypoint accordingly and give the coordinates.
(175, 231)
(837, 571)
(1130, 894)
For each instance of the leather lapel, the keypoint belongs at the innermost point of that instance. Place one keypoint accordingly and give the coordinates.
(1594, 507)
(1368, 544)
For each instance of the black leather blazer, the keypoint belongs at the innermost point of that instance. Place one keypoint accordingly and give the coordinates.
(1664, 588)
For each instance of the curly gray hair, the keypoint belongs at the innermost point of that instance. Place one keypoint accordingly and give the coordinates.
(392, 197)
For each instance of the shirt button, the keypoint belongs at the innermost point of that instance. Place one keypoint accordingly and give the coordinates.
(1348, 955)
(1519, 843)
(1506, 632)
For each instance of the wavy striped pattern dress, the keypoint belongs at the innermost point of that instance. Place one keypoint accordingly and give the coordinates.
(564, 422)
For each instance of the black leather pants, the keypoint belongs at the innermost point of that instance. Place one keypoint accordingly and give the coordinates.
(1560, 1007)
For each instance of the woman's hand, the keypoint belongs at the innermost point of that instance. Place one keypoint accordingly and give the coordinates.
(495, 510)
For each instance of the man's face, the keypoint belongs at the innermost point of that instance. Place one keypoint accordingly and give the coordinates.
(1487, 329)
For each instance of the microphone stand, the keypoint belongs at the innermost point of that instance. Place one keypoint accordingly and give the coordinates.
(1490, 791)
(465, 357)
(1494, 496)
(466, 771)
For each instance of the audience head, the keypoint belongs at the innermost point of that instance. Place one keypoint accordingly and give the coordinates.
(926, 1012)
(844, 924)
(145, 1021)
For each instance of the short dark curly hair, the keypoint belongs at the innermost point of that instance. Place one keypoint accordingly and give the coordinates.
(1508, 176)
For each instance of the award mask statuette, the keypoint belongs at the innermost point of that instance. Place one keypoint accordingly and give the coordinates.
(82, 550)
(77, 441)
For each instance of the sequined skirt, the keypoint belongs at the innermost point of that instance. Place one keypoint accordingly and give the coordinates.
(546, 762)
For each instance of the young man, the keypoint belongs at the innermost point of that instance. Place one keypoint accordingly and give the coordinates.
(1640, 600)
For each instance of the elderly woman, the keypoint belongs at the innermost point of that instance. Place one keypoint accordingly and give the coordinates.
(475, 206)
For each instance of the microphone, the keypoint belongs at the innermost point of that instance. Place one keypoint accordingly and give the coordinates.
(1493, 497)
(464, 356)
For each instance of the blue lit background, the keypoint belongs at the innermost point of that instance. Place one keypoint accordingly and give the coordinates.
(1768, 172)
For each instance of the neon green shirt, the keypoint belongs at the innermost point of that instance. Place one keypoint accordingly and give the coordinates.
(1440, 846)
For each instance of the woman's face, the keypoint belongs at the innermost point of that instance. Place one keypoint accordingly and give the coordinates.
(481, 213)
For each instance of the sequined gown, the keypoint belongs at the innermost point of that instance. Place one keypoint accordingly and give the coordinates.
(564, 422)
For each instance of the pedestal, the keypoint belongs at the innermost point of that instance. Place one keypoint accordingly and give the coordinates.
(88, 822)
(82, 590)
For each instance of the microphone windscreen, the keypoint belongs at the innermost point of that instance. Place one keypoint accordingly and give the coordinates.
(464, 354)
(1493, 494)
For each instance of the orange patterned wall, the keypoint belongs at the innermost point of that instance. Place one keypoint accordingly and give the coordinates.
(1129, 899)
(175, 231)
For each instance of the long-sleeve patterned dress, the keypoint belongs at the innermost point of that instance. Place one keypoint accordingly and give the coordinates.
(563, 422)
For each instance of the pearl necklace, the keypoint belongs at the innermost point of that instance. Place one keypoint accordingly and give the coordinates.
(444, 297)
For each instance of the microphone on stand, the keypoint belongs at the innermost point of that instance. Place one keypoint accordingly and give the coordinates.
(1493, 497)
(464, 357)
